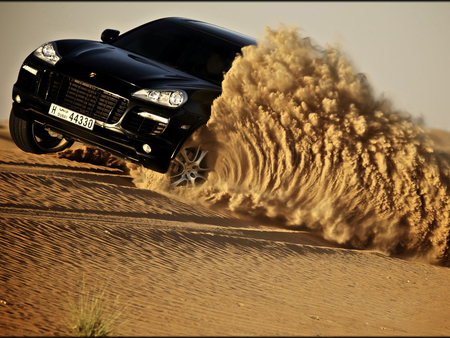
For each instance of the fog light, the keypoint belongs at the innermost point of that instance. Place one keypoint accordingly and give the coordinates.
(154, 117)
(147, 148)
(18, 99)
(30, 69)
(185, 126)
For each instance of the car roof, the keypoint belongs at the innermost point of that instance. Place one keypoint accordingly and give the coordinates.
(223, 33)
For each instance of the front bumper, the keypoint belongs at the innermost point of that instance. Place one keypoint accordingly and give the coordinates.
(112, 138)
(107, 135)
(117, 145)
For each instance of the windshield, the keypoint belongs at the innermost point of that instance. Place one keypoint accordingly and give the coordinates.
(189, 50)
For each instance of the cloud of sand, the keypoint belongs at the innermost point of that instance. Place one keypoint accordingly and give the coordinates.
(301, 141)
(96, 156)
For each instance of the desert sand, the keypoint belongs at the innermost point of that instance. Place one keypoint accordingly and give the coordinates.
(184, 270)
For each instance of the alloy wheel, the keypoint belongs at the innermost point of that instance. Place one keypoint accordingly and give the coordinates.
(189, 168)
(46, 142)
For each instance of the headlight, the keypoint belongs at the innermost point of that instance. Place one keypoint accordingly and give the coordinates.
(168, 98)
(48, 53)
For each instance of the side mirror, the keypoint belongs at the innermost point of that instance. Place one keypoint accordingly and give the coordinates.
(109, 34)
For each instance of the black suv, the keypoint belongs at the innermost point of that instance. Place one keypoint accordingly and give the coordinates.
(139, 95)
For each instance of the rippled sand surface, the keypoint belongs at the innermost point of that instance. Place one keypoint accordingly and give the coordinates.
(184, 269)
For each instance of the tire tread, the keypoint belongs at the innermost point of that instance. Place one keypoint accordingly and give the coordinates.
(22, 135)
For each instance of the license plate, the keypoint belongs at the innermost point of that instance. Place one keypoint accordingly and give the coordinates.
(71, 116)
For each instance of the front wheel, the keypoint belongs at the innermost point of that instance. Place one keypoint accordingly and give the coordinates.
(33, 138)
(189, 168)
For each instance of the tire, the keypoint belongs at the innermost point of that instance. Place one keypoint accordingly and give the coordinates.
(189, 168)
(32, 137)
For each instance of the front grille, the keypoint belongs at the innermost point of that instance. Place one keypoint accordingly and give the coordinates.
(141, 125)
(26, 80)
(82, 97)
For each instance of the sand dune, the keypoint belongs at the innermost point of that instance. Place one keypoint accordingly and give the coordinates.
(326, 214)
(183, 269)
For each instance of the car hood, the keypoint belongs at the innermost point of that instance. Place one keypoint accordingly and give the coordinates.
(127, 66)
